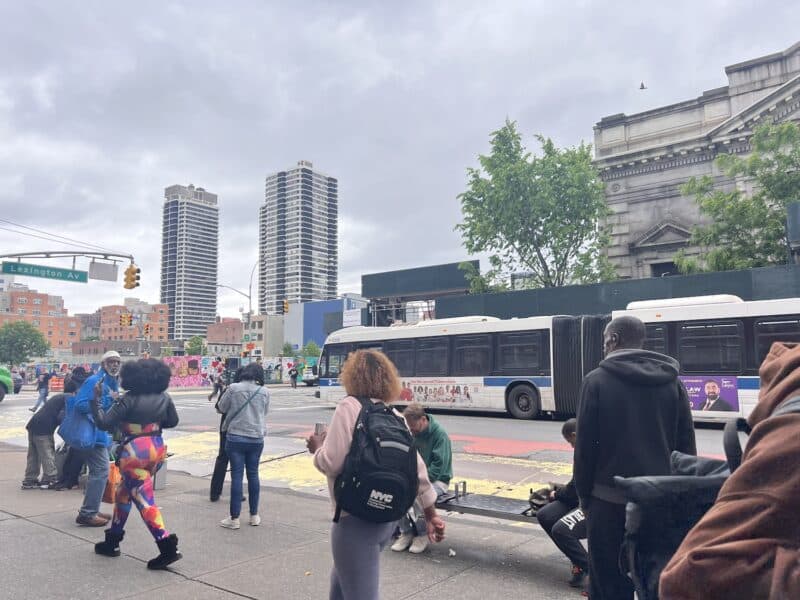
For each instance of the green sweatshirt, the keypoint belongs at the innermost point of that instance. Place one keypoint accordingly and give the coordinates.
(434, 447)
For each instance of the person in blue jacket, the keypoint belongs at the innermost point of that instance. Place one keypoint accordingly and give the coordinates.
(97, 457)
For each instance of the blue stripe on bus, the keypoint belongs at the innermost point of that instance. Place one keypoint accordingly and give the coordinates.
(504, 381)
(747, 383)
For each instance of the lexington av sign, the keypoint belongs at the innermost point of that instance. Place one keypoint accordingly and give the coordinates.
(27, 270)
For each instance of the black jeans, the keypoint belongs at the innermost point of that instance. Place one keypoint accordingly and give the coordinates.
(566, 526)
(220, 466)
(71, 471)
(606, 528)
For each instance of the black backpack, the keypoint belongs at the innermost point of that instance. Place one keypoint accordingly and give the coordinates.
(379, 481)
(662, 509)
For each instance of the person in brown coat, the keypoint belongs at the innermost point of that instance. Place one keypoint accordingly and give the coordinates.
(748, 544)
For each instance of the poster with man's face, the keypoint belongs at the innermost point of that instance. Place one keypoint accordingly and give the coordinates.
(712, 393)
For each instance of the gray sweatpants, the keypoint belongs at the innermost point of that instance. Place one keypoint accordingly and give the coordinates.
(41, 454)
(356, 546)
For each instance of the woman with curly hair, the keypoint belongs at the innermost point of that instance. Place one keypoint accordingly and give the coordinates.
(139, 415)
(356, 543)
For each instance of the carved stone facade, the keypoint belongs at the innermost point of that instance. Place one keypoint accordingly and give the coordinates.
(644, 158)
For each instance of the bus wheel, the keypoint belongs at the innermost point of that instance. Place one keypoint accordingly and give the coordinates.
(523, 402)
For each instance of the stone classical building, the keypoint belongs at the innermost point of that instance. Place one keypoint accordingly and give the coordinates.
(644, 158)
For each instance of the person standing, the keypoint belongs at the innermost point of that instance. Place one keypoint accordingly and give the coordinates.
(221, 462)
(140, 416)
(356, 544)
(43, 388)
(215, 376)
(42, 425)
(245, 405)
(293, 376)
(564, 522)
(436, 450)
(633, 413)
(97, 457)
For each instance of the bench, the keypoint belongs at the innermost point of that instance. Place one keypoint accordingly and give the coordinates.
(484, 505)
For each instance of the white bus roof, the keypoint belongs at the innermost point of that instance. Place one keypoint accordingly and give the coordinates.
(436, 327)
(681, 309)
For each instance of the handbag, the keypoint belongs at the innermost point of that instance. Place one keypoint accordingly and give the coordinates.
(114, 479)
(77, 430)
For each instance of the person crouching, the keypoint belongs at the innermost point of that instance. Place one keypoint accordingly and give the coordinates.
(140, 415)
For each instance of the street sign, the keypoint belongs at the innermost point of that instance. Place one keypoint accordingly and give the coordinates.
(28, 270)
(103, 270)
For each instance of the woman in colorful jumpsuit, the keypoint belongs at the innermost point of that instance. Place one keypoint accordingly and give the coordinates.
(139, 415)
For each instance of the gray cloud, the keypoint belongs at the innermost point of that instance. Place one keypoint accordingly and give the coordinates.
(103, 106)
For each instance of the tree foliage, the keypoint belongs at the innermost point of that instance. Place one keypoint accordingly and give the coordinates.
(195, 346)
(311, 349)
(491, 281)
(748, 230)
(537, 213)
(287, 349)
(20, 341)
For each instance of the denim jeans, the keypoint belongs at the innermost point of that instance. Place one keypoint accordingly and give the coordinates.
(414, 520)
(244, 456)
(41, 399)
(97, 460)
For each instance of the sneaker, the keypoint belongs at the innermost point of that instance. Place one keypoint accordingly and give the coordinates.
(93, 521)
(578, 577)
(255, 520)
(419, 545)
(31, 485)
(47, 485)
(230, 523)
(32, 409)
(403, 542)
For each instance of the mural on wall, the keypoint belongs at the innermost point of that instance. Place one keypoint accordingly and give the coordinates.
(186, 371)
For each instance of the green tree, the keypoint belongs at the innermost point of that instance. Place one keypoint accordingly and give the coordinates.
(537, 213)
(166, 351)
(311, 349)
(287, 349)
(195, 346)
(19, 341)
(491, 281)
(748, 229)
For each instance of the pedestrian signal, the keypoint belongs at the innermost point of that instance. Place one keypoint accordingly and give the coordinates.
(132, 276)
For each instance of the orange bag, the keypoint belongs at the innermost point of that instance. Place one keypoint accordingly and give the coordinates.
(114, 479)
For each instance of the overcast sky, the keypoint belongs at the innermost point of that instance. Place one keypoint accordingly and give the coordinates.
(104, 104)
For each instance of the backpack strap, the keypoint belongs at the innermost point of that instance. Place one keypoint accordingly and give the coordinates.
(730, 437)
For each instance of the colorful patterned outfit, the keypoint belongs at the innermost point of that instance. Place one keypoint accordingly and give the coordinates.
(138, 460)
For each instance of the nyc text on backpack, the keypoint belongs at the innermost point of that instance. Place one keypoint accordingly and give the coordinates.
(379, 481)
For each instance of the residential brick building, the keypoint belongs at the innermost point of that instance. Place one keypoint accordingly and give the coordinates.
(43, 311)
(142, 313)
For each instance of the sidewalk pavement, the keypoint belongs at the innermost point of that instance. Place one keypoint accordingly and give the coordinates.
(45, 555)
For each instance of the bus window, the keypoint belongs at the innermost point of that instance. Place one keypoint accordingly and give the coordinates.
(711, 347)
(401, 353)
(775, 329)
(333, 357)
(472, 355)
(526, 352)
(656, 338)
(431, 357)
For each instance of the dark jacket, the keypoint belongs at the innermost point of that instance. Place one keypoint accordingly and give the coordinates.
(140, 409)
(567, 494)
(49, 417)
(43, 383)
(748, 544)
(632, 413)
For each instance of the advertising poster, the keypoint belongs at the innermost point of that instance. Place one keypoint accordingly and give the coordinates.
(439, 391)
(712, 392)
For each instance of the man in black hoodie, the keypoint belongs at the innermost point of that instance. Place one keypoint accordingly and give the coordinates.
(633, 412)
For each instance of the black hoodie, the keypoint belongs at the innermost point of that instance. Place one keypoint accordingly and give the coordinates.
(633, 412)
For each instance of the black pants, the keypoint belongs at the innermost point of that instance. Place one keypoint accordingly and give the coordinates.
(606, 528)
(220, 466)
(71, 470)
(566, 526)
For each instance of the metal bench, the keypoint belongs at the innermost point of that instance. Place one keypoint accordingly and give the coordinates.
(484, 505)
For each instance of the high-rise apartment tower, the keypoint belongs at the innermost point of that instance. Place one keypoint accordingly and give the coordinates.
(298, 244)
(189, 246)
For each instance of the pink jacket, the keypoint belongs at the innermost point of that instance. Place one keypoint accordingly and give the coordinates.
(329, 458)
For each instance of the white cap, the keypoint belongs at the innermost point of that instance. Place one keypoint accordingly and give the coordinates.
(110, 354)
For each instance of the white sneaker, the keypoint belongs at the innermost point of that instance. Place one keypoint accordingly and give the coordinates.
(403, 542)
(230, 523)
(255, 520)
(418, 545)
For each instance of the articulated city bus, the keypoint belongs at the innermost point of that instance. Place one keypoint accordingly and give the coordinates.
(533, 366)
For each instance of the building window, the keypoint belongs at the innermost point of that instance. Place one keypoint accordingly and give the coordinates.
(37, 300)
(20, 311)
(22, 300)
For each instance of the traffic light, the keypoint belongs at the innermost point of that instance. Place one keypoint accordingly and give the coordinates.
(147, 329)
(126, 320)
(122, 320)
(285, 306)
(132, 276)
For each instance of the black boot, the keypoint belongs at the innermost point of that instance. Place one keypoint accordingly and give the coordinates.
(110, 547)
(168, 547)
